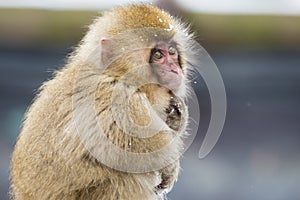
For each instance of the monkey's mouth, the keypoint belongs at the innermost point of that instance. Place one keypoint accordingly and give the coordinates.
(163, 71)
(170, 71)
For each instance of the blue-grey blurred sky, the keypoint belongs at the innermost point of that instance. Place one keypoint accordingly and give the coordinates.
(281, 7)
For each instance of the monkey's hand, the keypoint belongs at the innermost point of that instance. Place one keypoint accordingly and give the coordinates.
(175, 113)
(168, 177)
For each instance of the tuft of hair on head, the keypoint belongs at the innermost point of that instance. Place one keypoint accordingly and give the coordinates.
(123, 19)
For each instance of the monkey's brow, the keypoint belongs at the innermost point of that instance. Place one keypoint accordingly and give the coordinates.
(173, 43)
(157, 46)
(169, 42)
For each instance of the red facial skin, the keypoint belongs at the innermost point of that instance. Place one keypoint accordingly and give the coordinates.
(165, 63)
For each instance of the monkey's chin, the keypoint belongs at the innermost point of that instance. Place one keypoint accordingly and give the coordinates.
(173, 82)
(174, 85)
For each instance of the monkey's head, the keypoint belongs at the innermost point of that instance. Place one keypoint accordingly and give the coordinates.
(141, 39)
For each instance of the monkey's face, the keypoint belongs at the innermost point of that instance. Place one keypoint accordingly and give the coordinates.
(165, 64)
(146, 56)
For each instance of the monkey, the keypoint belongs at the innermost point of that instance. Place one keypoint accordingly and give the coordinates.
(128, 75)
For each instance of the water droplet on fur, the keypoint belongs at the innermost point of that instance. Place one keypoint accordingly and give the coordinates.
(160, 20)
(195, 82)
(122, 49)
(155, 35)
(170, 28)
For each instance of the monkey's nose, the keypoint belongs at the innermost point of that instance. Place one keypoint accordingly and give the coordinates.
(173, 66)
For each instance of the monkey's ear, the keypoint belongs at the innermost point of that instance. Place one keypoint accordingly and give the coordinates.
(106, 45)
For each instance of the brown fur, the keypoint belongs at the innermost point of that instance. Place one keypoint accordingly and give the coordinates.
(50, 161)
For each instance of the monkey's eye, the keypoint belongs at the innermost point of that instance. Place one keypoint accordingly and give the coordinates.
(172, 50)
(157, 55)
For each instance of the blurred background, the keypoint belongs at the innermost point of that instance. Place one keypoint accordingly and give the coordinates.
(255, 44)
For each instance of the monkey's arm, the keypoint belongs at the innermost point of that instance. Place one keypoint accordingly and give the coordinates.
(175, 119)
(168, 177)
(173, 111)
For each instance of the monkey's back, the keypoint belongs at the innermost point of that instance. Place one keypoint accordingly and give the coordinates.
(39, 159)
